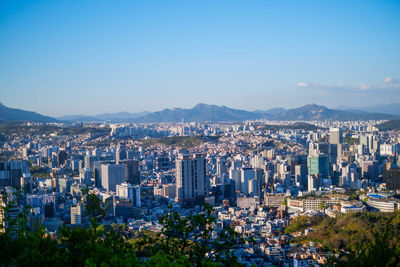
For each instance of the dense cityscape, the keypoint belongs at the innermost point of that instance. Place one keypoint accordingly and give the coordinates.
(260, 178)
(199, 133)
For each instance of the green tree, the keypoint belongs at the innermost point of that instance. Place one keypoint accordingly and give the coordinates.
(189, 240)
(183, 241)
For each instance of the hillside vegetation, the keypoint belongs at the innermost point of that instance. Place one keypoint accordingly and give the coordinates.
(363, 239)
(392, 125)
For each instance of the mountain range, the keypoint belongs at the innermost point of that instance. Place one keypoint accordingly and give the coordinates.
(18, 115)
(391, 108)
(205, 113)
(119, 116)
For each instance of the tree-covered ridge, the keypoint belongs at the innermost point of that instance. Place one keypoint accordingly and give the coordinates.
(392, 125)
(183, 241)
(362, 239)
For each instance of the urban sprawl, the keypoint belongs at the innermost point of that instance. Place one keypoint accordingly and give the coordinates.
(258, 176)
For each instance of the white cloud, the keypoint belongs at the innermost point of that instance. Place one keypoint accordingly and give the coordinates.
(365, 86)
(390, 80)
(390, 84)
(303, 85)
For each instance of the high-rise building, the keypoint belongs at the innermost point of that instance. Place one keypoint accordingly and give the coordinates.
(62, 157)
(11, 172)
(312, 183)
(89, 161)
(64, 185)
(97, 173)
(191, 178)
(162, 163)
(120, 154)
(112, 175)
(335, 136)
(76, 214)
(392, 178)
(133, 173)
(318, 165)
(246, 175)
(128, 191)
(9, 217)
(235, 175)
(85, 176)
(300, 175)
(221, 166)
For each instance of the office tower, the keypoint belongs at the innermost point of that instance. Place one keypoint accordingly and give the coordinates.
(370, 170)
(62, 157)
(257, 161)
(26, 183)
(350, 176)
(312, 183)
(12, 171)
(162, 162)
(334, 153)
(120, 154)
(252, 187)
(300, 175)
(318, 165)
(235, 175)
(392, 178)
(133, 173)
(236, 164)
(191, 178)
(367, 143)
(259, 176)
(318, 148)
(85, 176)
(128, 191)
(246, 175)
(12, 213)
(97, 173)
(75, 165)
(386, 150)
(76, 214)
(285, 179)
(335, 136)
(89, 161)
(113, 174)
(64, 185)
(221, 166)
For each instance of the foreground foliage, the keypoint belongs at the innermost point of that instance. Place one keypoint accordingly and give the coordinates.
(183, 241)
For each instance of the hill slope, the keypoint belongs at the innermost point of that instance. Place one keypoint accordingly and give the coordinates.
(19, 115)
(317, 112)
(389, 125)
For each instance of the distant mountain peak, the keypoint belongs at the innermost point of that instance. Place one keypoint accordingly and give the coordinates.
(204, 106)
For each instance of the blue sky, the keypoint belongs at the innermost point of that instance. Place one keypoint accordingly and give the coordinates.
(90, 57)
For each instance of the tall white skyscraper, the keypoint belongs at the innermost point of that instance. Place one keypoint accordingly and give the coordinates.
(112, 175)
(128, 191)
(335, 136)
(191, 182)
(247, 174)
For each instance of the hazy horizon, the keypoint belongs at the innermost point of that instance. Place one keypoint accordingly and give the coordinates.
(72, 57)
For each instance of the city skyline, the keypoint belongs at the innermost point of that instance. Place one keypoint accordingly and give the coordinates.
(68, 58)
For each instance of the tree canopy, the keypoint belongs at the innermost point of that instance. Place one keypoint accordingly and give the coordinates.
(182, 241)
